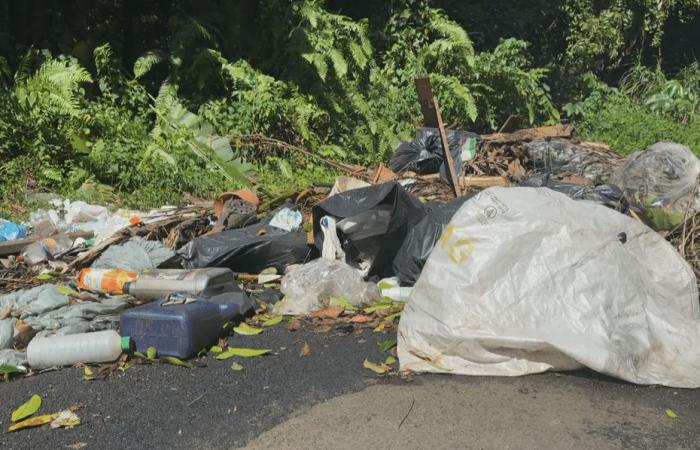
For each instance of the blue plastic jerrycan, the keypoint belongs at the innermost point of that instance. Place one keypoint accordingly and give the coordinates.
(181, 324)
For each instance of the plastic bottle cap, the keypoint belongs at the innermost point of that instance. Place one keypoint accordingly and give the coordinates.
(126, 343)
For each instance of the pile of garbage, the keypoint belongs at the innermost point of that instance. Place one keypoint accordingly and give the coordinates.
(557, 254)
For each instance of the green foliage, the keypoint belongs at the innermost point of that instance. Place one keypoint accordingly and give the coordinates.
(620, 122)
(166, 102)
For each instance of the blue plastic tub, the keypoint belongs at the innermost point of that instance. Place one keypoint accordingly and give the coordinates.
(182, 330)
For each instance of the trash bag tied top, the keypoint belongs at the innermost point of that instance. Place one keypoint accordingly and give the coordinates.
(378, 220)
(424, 154)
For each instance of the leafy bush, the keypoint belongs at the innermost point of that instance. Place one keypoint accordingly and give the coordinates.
(626, 126)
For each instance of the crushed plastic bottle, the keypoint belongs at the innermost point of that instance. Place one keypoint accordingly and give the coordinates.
(45, 249)
(100, 346)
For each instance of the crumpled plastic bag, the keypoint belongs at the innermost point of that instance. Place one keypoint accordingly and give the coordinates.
(562, 157)
(660, 182)
(305, 286)
(9, 357)
(77, 212)
(7, 331)
(9, 231)
(135, 255)
(525, 280)
(606, 194)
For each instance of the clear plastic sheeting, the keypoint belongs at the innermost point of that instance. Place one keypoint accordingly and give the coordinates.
(526, 280)
(663, 176)
(563, 157)
(306, 286)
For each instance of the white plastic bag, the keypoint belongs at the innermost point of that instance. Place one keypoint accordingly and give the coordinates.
(305, 286)
(525, 280)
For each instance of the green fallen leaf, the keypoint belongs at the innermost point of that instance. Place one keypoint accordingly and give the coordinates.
(65, 290)
(227, 325)
(27, 409)
(670, 413)
(272, 321)
(384, 303)
(139, 355)
(151, 353)
(390, 360)
(392, 316)
(175, 362)
(385, 285)
(340, 301)
(216, 349)
(44, 276)
(376, 368)
(243, 352)
(246, 330)
(386, 345)
(10, 369)
(236, 366)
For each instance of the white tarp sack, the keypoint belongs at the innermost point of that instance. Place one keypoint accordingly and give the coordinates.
(525, 280)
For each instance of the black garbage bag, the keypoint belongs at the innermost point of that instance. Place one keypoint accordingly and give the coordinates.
(424, 154)
(606, 194)
(247, 250)
(421, 239)
(384, 216)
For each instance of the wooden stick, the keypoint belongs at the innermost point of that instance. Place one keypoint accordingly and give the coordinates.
(484, 182)
(446, 150)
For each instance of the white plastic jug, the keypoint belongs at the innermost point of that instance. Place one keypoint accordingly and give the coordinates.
(100, 346)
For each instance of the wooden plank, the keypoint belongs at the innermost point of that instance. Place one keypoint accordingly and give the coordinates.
(446, 150)
(16, 246)
(530, 134)
(432, 118)
(483, 182)
(425, 99)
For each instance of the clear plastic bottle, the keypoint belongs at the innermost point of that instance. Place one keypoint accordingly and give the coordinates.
(100, 346)
(43, 250)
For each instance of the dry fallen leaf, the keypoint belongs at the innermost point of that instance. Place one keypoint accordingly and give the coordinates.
(323, 329)
(77, 445)
(33, 422)
(360, 319)
(331, 312)
(294, 324)
(65, 418)
(306, 349)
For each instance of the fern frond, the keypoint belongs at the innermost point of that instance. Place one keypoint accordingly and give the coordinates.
(338, 61)
(146, 62)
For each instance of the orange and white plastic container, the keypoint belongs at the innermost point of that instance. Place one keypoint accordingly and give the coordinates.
(109, 281)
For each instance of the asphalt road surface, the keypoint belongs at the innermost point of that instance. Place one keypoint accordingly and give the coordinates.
(328, 400)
